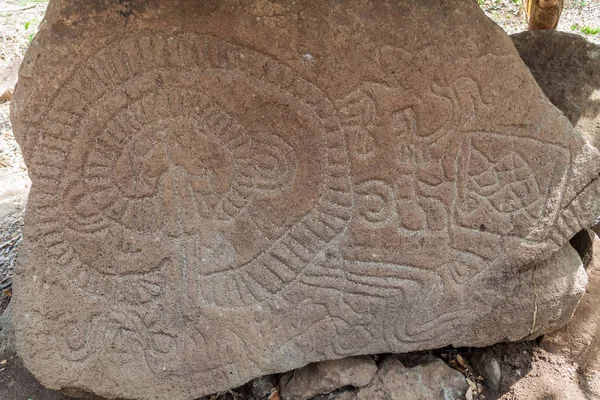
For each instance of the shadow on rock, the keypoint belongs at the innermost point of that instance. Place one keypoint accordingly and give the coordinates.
(567, 68)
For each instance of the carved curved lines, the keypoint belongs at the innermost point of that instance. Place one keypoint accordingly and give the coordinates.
(358, 119)
(375, 203)
(121, 330)
(380, 204)
(284, 261)
(186, 164)
(276, 164)
(498, 190)
(111, 90)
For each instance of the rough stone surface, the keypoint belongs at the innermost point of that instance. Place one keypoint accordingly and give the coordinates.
(567, 68)
(558, 285)
(430, 380)
(327, 376)
(228, 189)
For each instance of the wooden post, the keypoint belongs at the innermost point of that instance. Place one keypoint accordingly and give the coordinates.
(543, 14)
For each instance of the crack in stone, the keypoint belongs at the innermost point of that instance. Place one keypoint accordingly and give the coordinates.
(579, 193)
(535, 302)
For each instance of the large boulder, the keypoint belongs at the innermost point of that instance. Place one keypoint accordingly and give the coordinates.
(225, 189)
(567, 68)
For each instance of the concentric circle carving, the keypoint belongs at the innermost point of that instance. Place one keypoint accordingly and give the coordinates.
(198, 151)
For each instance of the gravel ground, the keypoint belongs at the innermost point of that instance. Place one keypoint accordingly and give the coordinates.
(19, 20)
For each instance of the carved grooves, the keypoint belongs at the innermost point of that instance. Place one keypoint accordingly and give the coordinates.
(276, 268)
(99, 90)
(99, 169)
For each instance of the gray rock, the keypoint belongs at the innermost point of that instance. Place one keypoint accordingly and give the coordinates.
(263, 386)
(327, 376)
(486, 363)
(567, 68)
(7, 333)
(431, 380)
(223, 190)
(558, 285)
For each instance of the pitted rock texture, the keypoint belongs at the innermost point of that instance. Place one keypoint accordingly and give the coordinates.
(225, 189)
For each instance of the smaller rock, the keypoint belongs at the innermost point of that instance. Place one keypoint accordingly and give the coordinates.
(327, 376)
(338, 395)
(264, 386)
(486, 363)
(7, 333)
(430, 380)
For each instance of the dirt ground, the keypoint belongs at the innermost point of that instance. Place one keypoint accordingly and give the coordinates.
(538, 370)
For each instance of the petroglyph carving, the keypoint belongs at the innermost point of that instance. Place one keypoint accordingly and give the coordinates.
(208, 207)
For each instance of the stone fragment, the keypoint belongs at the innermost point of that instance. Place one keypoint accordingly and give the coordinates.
(7, 333)
(567, 68)
(430, 380)
(264, 386)
(486, 363)
(327, 376)
(223, 190)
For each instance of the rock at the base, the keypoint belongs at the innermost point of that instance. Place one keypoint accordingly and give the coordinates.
(223, 190)
(486, 363)
(264, 386)
(7, 332)
(327, 376)
(432, 379)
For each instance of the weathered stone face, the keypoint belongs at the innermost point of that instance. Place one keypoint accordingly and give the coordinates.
(222, 191)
